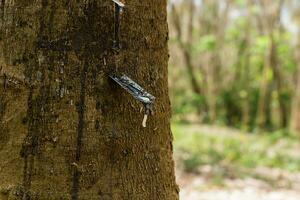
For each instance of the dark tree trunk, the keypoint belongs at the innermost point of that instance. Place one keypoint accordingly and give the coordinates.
(67, 131)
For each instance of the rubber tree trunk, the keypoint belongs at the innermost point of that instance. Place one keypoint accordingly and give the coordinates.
(295, 111)
(263, 117)
(67, 130)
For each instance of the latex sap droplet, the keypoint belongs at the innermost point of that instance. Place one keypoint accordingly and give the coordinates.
(139, 93)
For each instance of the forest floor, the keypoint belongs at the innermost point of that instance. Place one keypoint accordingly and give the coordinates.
(198, 187)
(226, 177)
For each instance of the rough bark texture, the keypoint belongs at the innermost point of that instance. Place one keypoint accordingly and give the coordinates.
(67, 131)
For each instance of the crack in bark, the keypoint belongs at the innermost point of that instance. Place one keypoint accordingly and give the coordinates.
(4, 137)
(2, 6)
(80, 129)
(26, 151)
(31, 141)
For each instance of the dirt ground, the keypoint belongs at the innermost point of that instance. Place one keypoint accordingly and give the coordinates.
(197, 187)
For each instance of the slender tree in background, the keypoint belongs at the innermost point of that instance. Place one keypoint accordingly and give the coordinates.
(186, 47)
(67, 131)
(238, 56)
(295, 114)
(270, 17)
(242, 71)
(212, 18)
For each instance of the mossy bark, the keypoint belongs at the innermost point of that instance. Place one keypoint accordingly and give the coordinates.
(66, 130)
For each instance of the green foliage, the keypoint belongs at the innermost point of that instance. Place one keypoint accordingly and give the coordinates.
(240, 3)
(205, 43)
(195, 148)
(231, 59)
(260, 45)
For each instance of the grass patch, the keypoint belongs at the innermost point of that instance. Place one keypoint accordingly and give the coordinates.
(196, 146)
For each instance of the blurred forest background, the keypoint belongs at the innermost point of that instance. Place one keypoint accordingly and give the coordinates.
(234, 78)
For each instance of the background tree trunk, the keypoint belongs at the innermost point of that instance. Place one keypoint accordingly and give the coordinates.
(186, 48)
(67, 131)
(295, 110)
(270, 17)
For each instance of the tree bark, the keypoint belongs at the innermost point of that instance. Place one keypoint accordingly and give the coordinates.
(295, 110)
(67, 130)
